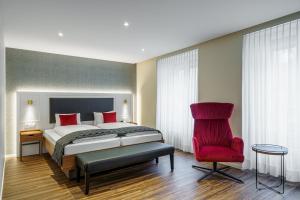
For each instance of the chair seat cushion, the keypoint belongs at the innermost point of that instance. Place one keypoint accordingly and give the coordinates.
(219, 154)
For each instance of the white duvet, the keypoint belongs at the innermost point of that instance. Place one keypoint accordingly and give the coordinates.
(65, 130)
(122, 125)
(114, 125)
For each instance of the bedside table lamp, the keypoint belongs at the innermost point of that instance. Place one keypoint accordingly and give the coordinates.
(125, 111)
(29, 102)
(29, 121)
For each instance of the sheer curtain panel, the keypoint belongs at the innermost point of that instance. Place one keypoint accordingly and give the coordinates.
(271, 96)
(177, 88)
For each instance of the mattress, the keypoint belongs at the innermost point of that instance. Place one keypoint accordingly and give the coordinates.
(137, 139)
(81, 147)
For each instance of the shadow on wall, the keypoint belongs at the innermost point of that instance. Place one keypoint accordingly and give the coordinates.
(148, 114)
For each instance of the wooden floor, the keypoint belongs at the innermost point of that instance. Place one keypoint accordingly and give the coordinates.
(37, 177)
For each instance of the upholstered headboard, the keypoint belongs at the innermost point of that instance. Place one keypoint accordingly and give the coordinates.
(84, 106)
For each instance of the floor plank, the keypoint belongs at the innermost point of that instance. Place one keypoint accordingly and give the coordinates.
(38, 177)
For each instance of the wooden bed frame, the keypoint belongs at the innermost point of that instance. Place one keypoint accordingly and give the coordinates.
(68, 161)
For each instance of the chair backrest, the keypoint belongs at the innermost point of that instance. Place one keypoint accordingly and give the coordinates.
(211, 123)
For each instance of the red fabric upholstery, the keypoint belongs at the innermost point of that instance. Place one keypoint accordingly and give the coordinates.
(66, 120)
(237, 144)
(109, 117)
(219, 154)
(213, 140)
(212, 110)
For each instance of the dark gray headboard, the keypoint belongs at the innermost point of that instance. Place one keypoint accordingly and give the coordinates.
(84, 106)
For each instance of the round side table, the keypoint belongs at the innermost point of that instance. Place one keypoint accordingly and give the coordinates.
(270, 149)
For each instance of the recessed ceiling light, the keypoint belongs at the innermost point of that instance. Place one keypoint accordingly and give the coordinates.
(143, 50)
(126, 24)
(60, 34)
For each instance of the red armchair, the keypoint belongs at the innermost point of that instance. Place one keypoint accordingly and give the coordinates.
(213, 140)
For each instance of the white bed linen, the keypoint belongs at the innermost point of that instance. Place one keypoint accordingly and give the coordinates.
(114, 125)
(133, 138)
(98, 118)
(141, 133)
(122, 125)
(97, 144)
(102, 137)
(65, 130)
(140, 139)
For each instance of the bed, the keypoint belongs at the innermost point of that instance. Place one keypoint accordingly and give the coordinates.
(51, 136)
(87, 108)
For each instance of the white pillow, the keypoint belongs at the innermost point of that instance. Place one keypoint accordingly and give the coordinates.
(57, 119)
(98, 118)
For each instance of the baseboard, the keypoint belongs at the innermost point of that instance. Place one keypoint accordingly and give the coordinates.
(2, 182)
(11, 155)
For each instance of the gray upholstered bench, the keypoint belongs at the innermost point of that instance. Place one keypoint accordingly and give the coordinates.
(108, 159)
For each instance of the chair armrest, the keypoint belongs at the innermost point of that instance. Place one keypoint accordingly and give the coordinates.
(237, 145)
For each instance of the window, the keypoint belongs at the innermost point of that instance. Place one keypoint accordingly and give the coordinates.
(271, 97)
(177, 88)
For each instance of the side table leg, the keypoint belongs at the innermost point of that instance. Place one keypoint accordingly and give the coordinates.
(20, 150)
(256, 171)
(283, 175)
(40, 146)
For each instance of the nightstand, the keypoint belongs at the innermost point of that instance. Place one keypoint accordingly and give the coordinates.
(28, 137)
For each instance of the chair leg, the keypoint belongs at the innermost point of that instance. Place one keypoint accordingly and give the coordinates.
(201, 168)
(223, 168)
(216, 170)
(172, 162)
(206, 175)
(87, 182)
(78, 174)
(156, 160)
(230, 176)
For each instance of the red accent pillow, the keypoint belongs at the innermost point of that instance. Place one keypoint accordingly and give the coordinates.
(109, 117)
(66, 120)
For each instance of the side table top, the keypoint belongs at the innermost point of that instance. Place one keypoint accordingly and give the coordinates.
(31, 132)
(270, 149)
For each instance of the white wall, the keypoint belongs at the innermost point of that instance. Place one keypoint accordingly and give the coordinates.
(146, 92)
(2, 99)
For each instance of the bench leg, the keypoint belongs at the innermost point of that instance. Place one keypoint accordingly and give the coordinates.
(156, 160)
(87, 182)
(172, 161)
(78, 174)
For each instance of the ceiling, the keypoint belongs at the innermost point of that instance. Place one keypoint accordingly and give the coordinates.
(94, 28)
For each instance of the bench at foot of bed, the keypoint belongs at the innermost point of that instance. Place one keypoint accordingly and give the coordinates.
(109, 159)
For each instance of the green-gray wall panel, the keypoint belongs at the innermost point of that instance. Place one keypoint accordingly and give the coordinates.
(27, 70)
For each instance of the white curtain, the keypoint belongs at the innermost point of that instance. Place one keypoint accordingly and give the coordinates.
(271, 96)
(177, 88)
